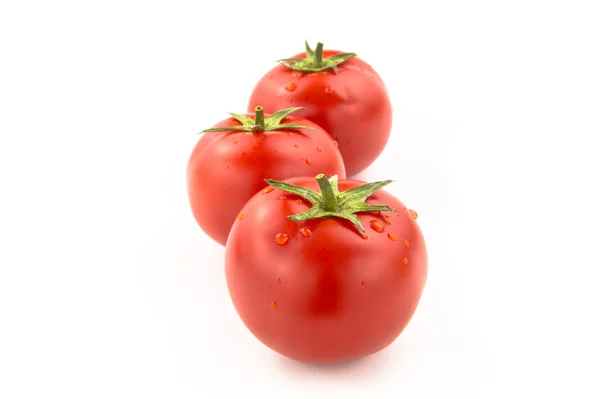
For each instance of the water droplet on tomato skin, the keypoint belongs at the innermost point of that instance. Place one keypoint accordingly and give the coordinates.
(299, 201)
(319, 149)
(406, 243)
(386, 219)
(268, 190)
(235, 142)
(414, 214)
(278, 281)
(335, 143)
(308, 162)
(274, 305)
(363, 283)
(376, 225)
(405, 261)
(291, 100)
(363, 236)
(282, 197)
(281, 238)
(291, 87)
(392, 236)
(296, 145)
(306, 232)
(329, 90)
(240, 216)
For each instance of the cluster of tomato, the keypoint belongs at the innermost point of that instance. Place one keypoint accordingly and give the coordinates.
(325, 269)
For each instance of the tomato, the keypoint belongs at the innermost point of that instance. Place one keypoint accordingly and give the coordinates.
(340, 92)
(314, 287)
(231, 161)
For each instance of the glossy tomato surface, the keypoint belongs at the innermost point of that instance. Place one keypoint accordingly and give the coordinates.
(226, 169)
(352, 105)
(319, 291)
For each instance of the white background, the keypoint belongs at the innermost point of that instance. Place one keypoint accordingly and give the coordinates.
(108, 288)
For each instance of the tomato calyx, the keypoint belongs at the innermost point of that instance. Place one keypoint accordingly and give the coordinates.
(260, 123)
(314, 61)
(331, 203)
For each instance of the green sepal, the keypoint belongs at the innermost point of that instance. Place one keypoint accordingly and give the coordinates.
(331, 203)
(260, 123)
(314, 61)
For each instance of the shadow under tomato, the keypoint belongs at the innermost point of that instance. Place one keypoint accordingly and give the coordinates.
(366, 367)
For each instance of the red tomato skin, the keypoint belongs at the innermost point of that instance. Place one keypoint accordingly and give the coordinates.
(226, 169)
(353, 106)
(332, 296)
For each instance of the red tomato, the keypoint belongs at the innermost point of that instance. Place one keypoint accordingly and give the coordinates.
(352, 104)
(230, 163)
(316, 288)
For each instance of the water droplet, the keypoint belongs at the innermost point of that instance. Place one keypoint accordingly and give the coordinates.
(386, 219)
(305, 231)
(376, 225)
(281, 238)
(296, 145)
(392, 236)
(299, 201)
(291, 87)
(319, 149)
(291, 100)
(268, 190)
(283, 197)
(278, 281)
(270, 75)
(308, 162)
(363, 236)
(235, 142)
(329, 90)
(274, 305)
(414, 214)
(363, 283)
(406, 242)
(240, 216)
(405, 261)
(335, 143)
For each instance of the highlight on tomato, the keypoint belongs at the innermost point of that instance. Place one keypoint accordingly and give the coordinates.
(326, 271)
(340, 92)
(231, 161)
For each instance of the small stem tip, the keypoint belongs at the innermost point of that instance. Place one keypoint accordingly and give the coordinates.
(259, 118)
(329, 199)
(319, 55)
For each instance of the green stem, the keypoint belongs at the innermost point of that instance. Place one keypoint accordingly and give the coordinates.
(259, 119)
(329, 198)
(319, 55)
